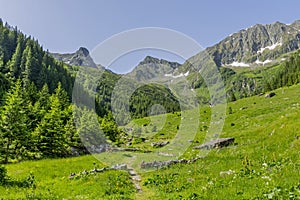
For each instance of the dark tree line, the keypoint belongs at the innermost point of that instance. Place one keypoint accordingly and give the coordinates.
(287, 74)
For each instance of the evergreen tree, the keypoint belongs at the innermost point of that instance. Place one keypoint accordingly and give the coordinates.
(71, 131)
(89, 130)
(62, 96)
(14, 133)
(15, 62)
(51, 134)
(109, 127)
(43, 103)
(27, 65)
(52, 141)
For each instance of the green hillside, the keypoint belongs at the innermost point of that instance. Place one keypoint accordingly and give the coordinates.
(241, 82)
(263, 164)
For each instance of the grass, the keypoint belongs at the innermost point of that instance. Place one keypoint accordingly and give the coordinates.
(52, 180)
(263, 164)
(265, 158)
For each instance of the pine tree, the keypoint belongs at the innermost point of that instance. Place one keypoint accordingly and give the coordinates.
(109, 127)
(43, 99)
(15, 62)
(62, 96)
(70, 129)
(27, 72)
(42, 77)
(1, 62)
(89, 130)
(51, 133)
(13, 128)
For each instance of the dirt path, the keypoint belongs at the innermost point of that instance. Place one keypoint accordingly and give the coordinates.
(136, 179)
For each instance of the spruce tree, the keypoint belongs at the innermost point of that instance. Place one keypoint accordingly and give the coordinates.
(89, 130)
(15, 62)
(52, 141)
(27, 72)
(14, 133)
(51, 132)
(109, 127)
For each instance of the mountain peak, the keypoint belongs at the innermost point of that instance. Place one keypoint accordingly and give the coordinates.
(83, 51)
(278, 23)
(296, 23)
(150, 59)
(80, 58)
(153, 60)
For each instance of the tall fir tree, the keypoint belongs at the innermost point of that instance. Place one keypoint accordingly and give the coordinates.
(14, 133)
(15, 62)
(51, 133)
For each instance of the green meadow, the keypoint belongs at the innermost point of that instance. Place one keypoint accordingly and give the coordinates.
(264, 162)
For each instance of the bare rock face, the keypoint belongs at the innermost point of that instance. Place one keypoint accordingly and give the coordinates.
(153, 68)
(260, 42)
(80, 58)
(218, 143)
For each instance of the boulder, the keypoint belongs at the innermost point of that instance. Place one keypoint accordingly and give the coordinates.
(159, 144)
(159, 164)
(269, 95)
(119, 167)
(244, 108)
(218, 143)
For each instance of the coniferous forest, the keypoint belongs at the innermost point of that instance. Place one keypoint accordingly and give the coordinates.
(35, 98)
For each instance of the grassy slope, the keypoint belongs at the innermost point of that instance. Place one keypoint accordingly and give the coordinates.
(266, 159)
(265, 132)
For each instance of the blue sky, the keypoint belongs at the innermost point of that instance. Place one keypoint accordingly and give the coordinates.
(65, 25)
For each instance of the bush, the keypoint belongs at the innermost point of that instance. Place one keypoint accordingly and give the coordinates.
(3, 175)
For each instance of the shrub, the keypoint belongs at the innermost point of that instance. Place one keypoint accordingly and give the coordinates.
(3, 175)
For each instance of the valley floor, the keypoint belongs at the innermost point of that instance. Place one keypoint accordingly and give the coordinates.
(263, 164)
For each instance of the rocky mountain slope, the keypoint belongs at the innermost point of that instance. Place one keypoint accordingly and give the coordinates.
(259, 44)
(155, 69)
(80, 58)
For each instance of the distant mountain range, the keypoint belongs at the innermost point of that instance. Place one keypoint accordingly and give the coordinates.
(258, 45)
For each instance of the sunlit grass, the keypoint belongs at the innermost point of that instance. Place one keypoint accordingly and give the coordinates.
(264, 162)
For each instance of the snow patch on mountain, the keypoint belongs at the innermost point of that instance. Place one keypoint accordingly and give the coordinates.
(270, 47)
(238, 64)
(262, 62)
(178, 76)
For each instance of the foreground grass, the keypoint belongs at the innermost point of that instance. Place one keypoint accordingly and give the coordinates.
(52, 181)
(264, 164)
